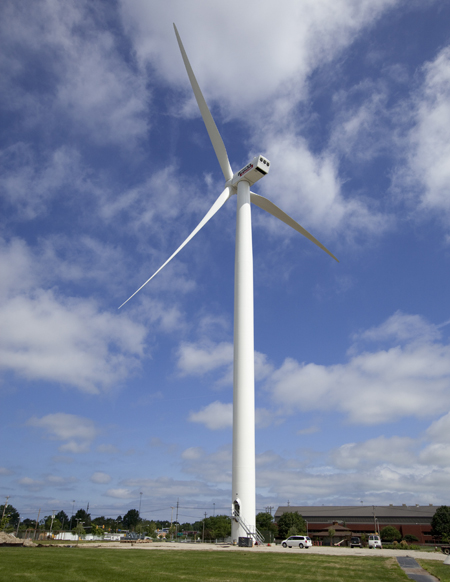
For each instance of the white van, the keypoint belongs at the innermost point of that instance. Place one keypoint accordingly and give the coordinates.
(374, 541)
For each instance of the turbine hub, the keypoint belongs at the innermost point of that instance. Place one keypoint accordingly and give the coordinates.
(252, 172)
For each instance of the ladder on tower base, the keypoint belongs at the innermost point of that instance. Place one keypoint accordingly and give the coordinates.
(255, 535)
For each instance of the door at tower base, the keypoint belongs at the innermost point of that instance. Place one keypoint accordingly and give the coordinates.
(245, 543)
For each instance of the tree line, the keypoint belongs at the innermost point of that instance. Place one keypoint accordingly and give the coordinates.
(210, 528)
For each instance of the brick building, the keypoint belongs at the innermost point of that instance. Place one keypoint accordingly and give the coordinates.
(413, 520)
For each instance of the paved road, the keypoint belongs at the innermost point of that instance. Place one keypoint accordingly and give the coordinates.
(324, 550)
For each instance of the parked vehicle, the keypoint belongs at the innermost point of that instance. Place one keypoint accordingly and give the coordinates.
(374, 541)
(446, 550)
(297, 542)
(355, 542)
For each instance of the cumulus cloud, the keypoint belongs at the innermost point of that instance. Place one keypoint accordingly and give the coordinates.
(426, 174)
(194, 359)
(48, 480)
(79, 432)
(219, 415)
(214, 467)
(373, 387)
(120, 493)
(396, 450)
(402, 327)
(200, 358)
(215, 416)
(100, 478)
(81, 345)
(308, 187)
(303, 36)
(167, 488)
(84, 78)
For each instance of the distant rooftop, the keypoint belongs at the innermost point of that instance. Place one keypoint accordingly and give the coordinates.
(355, 513)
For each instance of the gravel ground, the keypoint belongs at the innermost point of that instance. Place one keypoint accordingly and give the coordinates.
(324, 550)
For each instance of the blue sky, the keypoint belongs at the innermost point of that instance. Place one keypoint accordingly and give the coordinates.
(107, 167)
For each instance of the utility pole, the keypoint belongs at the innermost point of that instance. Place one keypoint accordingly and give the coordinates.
(51, 525)
(269, 508)
(374, 520)
(5, 506)
(37, 521)
(214, 510)
(71, 519)
(140, 501)
(203, 534)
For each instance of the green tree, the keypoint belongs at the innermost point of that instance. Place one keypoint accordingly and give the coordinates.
(440, 523)
(390, 534)
(96, 530)
(63, 518)
(266, 525)
(10, 519)
(81, 515)
(27, 524)
(131, 519)
(264, 520)
(217, 527)
(79, 529)
(331, 533)
(56, 525)
(291, 521)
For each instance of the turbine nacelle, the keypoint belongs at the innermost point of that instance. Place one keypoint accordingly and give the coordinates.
(252, 172)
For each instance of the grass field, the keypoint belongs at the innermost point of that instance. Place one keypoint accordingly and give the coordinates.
(79, 565)
(438, 569)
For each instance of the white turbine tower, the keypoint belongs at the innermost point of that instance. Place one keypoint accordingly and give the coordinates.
(243, 465)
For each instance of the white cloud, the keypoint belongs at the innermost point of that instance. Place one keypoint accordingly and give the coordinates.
(64, 426)
(439, 430)
(308, 187)
(79, 432)
(85, 78)
(402, 327)
(81, 347)
(426, 175)
(200, 358)
(212, 467)
(48, 481)
(398, 451)
(29, 183)
(120, 493)
(5, 471)
(303, 36)
(100, 478)
(194, 359)
(192, 454)
(108, 449)
(31, 484)
(373, 387)
(219, 415)
(167, 488)
(214, 416)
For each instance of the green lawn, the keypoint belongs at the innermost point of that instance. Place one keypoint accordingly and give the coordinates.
(79, 565)
(438, 569)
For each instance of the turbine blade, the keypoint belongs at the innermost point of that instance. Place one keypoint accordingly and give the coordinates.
(213, 132)
(272, 209)
(214, 208)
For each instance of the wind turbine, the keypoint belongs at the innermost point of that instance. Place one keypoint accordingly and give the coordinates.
(243, 464)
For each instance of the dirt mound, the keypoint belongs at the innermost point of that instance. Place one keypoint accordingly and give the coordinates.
(9, 539)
